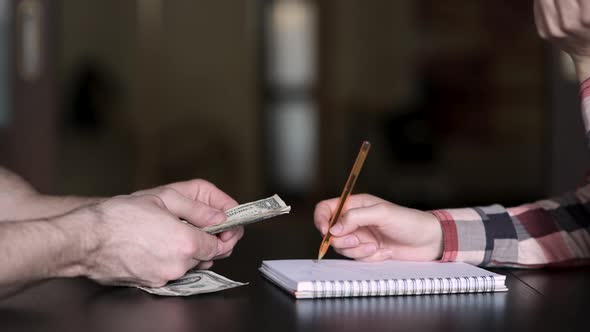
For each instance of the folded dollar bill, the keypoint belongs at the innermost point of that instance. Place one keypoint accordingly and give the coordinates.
(194, 282)
(249, 213)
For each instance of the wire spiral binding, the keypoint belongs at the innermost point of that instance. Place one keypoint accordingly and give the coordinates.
(421, 286)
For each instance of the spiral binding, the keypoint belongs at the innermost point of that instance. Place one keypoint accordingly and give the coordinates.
(421, 286)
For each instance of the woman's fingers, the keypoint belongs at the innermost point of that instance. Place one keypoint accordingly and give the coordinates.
(348, 241)
(325, 209)
(361, 251)
(353, 219)
(379, 255)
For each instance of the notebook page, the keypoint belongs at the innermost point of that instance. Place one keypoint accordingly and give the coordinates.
(300, 271)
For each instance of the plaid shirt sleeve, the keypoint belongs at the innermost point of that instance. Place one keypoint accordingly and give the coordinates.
(545, 233)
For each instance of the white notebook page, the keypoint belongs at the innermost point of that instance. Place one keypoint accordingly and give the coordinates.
(295, 272)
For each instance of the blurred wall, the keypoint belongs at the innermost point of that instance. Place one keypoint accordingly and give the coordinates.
(28, 139)
(211, 82)
(183, 100)
(452, 95)
(368, 65)
(97, 40)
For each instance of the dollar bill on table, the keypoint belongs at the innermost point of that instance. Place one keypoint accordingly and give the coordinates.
(194, 282)
(249, 213)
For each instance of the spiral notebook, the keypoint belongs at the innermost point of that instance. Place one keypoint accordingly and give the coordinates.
(343, 278)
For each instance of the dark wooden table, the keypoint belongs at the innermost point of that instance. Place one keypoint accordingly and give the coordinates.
(537, 300)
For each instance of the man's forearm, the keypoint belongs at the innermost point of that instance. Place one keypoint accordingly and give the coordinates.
(41, 206)
(36, 250)
(20, 201)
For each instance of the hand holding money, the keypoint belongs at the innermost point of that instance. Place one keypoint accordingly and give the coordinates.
(204, 197)
(250, 213)
(202, 281)
(133, 240)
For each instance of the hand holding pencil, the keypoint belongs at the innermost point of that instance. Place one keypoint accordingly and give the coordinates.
(368, 228)
(372, 229)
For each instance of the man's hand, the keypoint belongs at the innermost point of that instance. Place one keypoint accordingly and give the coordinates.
(139, 240)
(134, 240)
(567, 24)
(202, 204)
(372, 229)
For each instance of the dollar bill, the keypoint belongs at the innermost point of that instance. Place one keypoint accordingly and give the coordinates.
(249, 213)
(194, 282)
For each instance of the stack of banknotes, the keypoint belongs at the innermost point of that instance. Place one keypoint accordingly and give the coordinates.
(204, 281)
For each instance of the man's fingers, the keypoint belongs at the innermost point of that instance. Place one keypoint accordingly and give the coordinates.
(226, 248)
(199, 265)
(233, 233)
(226, 255)
(205, 192)
(215, 197)
(192, 264)
(219, 199)
(195, 212)
(202, 215)
(204, 246)
(204, 265)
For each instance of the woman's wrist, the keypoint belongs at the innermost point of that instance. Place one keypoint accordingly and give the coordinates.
(582, 68)
(436, 232)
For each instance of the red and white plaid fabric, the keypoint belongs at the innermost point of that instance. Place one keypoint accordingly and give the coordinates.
(549, 232)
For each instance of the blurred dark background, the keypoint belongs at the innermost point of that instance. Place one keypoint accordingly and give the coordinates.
(462, 101)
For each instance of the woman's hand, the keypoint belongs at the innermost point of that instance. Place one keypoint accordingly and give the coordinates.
(372, 229)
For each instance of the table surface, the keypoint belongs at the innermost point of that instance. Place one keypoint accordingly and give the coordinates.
(537, 300)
